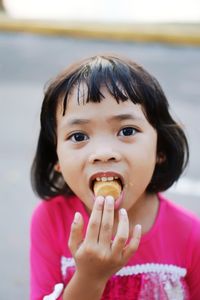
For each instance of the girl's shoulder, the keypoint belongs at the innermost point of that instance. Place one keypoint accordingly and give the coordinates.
(179, 218)
(58, 204)
(51, 221)
(175, 223)
(178, 212)
(56, 211)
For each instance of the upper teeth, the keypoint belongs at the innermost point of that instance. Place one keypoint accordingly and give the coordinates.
(106, 178)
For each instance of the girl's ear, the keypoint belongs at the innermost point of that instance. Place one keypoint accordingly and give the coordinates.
(161, 157)
(57, 167)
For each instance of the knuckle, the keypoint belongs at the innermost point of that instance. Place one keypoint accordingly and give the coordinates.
(69, 244)
(89, 250)
(73, 228)
(96, 254)
(121, 240)
(103, 257)
(94, 224)
(131, 250)
(109, 208)
(115, 261)
(106, 227)
(134, 246)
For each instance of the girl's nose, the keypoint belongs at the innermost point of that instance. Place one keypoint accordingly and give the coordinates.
(104, 155)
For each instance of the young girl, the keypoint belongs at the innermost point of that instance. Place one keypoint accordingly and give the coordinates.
(105, 121)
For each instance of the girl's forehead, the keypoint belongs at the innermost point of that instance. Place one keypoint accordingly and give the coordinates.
(107, 109)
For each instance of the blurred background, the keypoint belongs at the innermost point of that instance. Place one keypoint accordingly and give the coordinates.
(104, 10)
(37, 40)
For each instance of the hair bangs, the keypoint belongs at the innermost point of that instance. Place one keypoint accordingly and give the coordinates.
(99, 73)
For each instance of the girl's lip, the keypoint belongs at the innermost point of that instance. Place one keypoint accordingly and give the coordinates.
(106, 174)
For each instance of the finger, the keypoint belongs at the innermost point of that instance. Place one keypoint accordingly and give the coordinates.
(76, 233)
(105, 233)
(122, 233)
(133, 245)
(94, 223)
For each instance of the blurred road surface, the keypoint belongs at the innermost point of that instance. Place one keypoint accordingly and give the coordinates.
(26, 64)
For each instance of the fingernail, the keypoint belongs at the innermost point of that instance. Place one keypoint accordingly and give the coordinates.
(138, 229)
(76, 217)
(123, 212)
(100, 200)
(110, 200)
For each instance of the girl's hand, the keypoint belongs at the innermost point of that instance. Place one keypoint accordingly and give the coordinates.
(97, 257)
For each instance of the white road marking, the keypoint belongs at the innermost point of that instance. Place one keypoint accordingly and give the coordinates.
(186, 186)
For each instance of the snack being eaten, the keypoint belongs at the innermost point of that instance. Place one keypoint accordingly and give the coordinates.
(107, 188)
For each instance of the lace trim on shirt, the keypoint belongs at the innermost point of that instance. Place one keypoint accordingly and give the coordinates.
(149, 268)
(67, 262)
(58, 288)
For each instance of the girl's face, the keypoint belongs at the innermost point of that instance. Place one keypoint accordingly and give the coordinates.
(106, 139)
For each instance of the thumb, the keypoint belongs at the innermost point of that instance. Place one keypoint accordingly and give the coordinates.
(76, 233)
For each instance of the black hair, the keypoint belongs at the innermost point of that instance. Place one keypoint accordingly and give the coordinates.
(124, 80)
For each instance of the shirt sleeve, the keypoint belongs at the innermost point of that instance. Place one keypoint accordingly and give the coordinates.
(45, 258)
(193, 276)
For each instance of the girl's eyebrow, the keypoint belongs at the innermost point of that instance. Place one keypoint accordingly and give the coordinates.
(77, 122)
(123, 117)
(120, 117)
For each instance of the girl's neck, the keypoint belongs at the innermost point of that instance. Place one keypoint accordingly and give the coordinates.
(144, 212)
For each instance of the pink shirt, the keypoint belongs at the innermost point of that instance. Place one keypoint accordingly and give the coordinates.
(166, 265)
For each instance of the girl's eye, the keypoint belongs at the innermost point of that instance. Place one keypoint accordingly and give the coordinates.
(127, 131)
(78, 137)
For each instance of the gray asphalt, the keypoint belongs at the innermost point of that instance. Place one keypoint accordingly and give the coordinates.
(26, 64)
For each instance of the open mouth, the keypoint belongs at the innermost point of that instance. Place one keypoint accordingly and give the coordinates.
(107, 186)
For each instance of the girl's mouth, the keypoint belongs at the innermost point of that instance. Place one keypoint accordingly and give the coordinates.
(107, 185)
